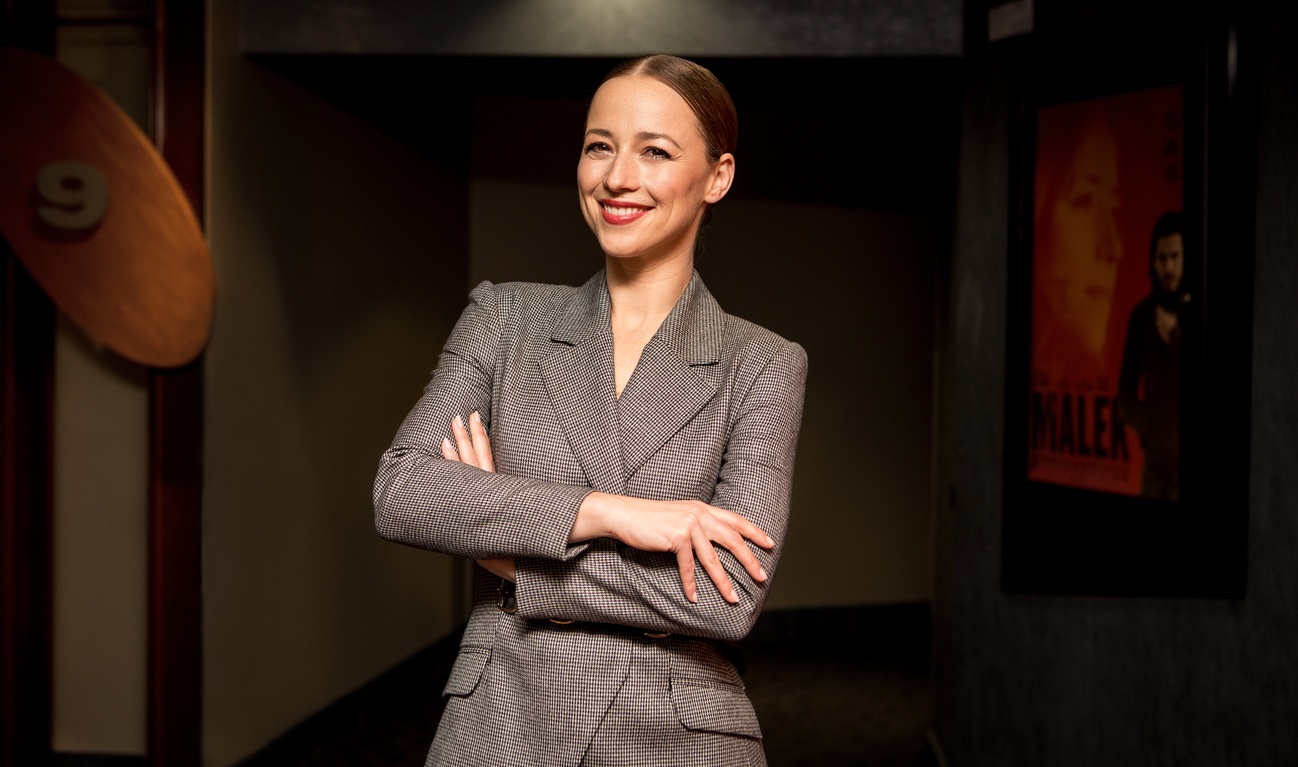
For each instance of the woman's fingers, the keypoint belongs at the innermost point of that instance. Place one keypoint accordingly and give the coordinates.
(737, 545)
(712, 527)
(463, 442)
(685, 561)
(481, 442)
(472, 445)
(711, 561)
(741, 525)
(733, 535)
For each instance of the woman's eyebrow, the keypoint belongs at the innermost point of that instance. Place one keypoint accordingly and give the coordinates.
(641, 136)
(648, 136)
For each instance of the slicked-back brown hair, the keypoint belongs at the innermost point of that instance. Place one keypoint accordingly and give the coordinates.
(707, 97)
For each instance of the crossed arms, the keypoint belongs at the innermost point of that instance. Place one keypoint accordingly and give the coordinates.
(581, 554)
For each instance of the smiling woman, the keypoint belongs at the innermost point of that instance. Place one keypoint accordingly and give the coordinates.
(593, 449)
(646, 162)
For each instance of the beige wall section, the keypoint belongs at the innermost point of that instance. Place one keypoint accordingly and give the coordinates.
(336, 248)
(100, 472)
(855, 287)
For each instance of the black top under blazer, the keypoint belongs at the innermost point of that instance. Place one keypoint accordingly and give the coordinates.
(711, 412)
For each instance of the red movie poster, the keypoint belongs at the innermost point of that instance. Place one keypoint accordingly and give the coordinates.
(1106, 284)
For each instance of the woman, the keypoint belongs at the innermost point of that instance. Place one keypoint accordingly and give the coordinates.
(590, 447)
(1077, 243)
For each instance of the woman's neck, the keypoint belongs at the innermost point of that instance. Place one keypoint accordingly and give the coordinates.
(639, 292)
(640, 296)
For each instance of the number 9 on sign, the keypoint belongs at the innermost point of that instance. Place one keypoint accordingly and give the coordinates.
(73, 195)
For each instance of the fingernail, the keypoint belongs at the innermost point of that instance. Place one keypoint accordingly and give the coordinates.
(446, 442)
(459, 422)
(475, 417)
(761, 572)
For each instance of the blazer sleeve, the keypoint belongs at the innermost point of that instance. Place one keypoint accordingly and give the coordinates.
(424, 500)
(614, 583)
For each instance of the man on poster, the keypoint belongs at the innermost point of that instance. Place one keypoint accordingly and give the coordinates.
(1149, 384)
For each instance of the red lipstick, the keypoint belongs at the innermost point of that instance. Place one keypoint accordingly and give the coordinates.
(618, 212)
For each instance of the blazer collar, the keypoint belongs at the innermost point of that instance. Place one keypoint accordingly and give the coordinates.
(693, 328)
(584, 312)
(676, 376)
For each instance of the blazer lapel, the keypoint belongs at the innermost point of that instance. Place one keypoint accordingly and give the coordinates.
(578, 377)
(678, 373)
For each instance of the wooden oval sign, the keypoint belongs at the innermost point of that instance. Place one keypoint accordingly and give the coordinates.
(97, 217)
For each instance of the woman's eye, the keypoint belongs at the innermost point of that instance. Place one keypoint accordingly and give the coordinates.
(596, 147)
(654, 151)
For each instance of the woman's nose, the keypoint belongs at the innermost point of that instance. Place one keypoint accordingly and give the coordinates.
(622, 174)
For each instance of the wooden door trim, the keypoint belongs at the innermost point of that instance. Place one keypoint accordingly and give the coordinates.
(175, 621)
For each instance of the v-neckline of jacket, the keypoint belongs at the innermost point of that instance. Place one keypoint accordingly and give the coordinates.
(676, 375)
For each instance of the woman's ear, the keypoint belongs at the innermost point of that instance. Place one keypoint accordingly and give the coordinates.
(723, 175)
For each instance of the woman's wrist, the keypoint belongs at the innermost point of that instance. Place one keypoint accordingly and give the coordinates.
(593, 518)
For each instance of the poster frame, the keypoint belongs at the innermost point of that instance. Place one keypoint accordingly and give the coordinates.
(1067, 540)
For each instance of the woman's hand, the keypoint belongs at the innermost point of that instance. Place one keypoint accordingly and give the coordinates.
(473, 446)
(686, 528)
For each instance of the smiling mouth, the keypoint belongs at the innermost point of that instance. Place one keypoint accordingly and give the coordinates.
(622, 213)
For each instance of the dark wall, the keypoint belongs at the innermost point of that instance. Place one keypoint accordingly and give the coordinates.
(1047, 680)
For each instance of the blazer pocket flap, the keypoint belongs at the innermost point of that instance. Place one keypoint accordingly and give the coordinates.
(713, 708)
(467, 671)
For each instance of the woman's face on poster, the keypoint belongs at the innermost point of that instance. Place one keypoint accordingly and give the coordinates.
(1082, 242)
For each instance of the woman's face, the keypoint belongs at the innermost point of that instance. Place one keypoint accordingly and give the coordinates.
(644, 177)
(1082, 240)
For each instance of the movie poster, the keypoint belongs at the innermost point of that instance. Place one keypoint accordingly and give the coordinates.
(1107, 285)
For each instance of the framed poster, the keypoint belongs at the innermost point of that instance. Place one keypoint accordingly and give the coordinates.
(1127, 365)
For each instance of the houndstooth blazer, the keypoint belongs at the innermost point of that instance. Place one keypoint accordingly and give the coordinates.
(711, 412)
